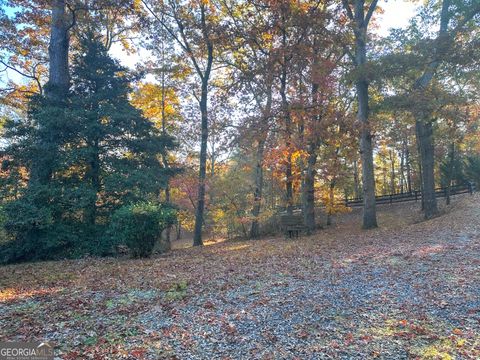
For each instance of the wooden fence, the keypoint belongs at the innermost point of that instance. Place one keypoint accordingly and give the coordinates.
(414, 195)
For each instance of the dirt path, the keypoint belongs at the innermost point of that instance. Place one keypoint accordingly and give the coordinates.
(406, 290)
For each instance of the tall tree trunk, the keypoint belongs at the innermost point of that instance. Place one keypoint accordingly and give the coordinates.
(426, 148)
(205, 77)
(179, 231)
(420, 173)
(392, 172)
(288, 126)
(58, 77)
(402, 170)
(361, 21)
(164, 132)
(409, 168)
(258, 193)
(56, 89)
(331, 200)
(423, 125)
(309, 190)
(274, 196)
(356, 180)
(288, 134)
(312, 147)
(259, 156)
(366, 151)
(384, 173)
(199, 215)
(451, 166)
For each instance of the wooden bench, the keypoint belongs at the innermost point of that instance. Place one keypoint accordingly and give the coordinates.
(292, 225)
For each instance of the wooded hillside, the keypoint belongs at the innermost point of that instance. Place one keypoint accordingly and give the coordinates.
(228, 113)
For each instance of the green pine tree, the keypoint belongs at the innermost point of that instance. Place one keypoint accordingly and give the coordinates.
(97, 153)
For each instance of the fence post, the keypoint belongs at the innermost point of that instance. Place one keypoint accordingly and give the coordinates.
(416, 195)
(470, 188)
(391, 198)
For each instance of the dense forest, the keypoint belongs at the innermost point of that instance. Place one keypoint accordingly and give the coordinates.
(123, 120)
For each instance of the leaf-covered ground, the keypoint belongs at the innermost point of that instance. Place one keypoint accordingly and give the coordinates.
(404, 291)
